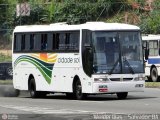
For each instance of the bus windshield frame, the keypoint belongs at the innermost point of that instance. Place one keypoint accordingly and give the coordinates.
(117, 52)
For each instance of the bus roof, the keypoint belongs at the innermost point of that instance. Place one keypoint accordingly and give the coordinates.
(151, 37)
(94, 26)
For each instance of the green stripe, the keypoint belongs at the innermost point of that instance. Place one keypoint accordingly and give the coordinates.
(47, 73)
(48, 79)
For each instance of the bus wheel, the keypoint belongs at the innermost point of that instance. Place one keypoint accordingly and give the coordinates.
(78, 91)
(154, 74)
(32, 88)
(122, 95)
(149, 79)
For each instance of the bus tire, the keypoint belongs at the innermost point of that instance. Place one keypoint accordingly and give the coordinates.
(122, 95)
(154, 74)
(78, 91)
(32, 88)
(149, 79)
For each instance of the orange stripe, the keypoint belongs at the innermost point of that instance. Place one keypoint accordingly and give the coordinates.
(43, 56)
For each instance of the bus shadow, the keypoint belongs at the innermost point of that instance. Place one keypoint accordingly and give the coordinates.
(95, 97)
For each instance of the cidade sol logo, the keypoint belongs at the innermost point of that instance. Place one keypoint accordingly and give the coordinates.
(68, 60)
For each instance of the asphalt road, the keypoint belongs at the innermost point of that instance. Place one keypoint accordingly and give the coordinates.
(58, 107)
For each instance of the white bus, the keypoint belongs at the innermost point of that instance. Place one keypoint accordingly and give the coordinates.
(90, 58)
(151, 45)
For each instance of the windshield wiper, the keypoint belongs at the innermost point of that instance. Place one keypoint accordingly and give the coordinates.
(130, 68)
(114, 66)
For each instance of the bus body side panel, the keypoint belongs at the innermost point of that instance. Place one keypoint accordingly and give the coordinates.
(67, 66)
(58, 77)
(147, 68)
(158, 69)
(65, 69)
(20, 72)
(86, 81)
(26, 65)
(147, 71)
(152, 61)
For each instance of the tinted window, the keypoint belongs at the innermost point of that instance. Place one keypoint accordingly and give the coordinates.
(40, 42)
(49, 41)
(55, 42)
(17, 41)
(44, 41)
(27, 42)
(32, 38)
(23, 42)
(62, 41)
(66, 41)
(73, 41)
(153, 48)
(37, 41)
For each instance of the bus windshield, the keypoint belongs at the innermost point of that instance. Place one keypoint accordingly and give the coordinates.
(117, 52)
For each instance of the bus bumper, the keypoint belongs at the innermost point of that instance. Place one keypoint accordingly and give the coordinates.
(114, 87)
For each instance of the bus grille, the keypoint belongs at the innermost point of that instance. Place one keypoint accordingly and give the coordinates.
(120, 79)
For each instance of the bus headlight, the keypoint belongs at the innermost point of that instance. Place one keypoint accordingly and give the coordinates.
(101, 79)
(139, 78)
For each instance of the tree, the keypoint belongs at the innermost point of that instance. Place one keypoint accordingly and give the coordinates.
(3, 9)
(150, 22)
(73, 11)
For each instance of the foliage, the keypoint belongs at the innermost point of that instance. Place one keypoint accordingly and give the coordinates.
(3, 9)
(86, 10)
(77, 11)
(38, 15)
(151, 25)
(63, 11)
(5, 58)
(150, 22)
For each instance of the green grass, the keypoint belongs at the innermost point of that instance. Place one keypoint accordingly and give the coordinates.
(5, 58)
(3, 82)
(152, 84)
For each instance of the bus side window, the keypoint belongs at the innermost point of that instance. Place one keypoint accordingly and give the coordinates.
(43, 41)
(74, 41)
(62, 39)
(153, 48)
(55, 42)
(27, 42)
(17, 42)
(23, 44)
(49, 41)
(32, 38)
